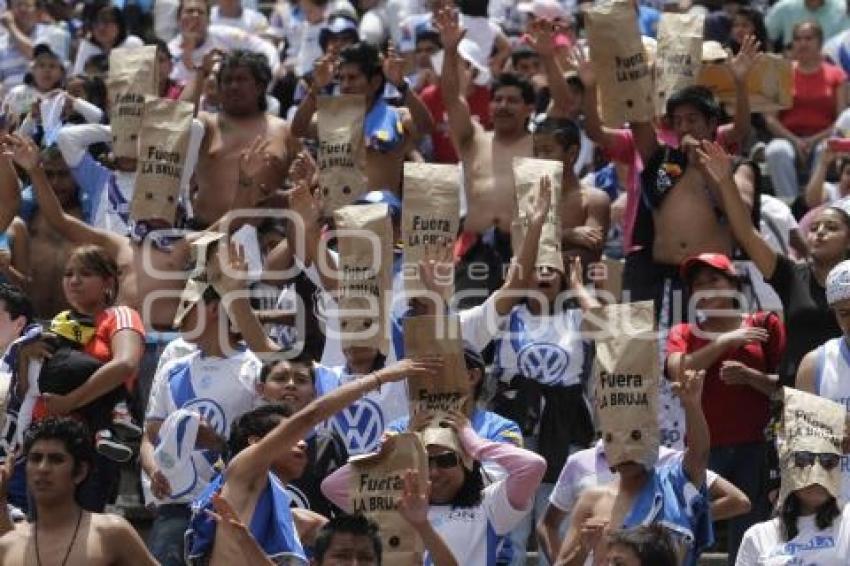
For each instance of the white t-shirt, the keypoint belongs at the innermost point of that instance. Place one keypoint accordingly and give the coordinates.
(224, 38)
(307, 49)
(472, 533)
(249, 20)
(219, 389)
(763, 544)
(88, 49)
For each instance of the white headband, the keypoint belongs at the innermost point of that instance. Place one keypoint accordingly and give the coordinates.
(838, 283)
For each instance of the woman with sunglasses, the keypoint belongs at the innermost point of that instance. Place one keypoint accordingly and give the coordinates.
(464, 511)
(810, 527)
(825, 371)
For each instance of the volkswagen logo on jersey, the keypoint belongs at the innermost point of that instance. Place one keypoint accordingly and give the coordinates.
(544, 362)
(211, 412)
(361, 425)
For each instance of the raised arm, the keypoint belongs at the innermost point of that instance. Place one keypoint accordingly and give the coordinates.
(599, 134)
(323, 74)
(394, 72)
(540, 34)
(413, 507)
(815, 190)
(740, 66)
(26, 154)
(717, 165)
(689, 390)
(460, 120)
(522, 266)
(10, 192)
(524, 469)
(256, 460)
(584, 533)
(586, 300)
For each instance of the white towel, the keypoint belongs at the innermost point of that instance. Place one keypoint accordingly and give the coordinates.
(174, 453)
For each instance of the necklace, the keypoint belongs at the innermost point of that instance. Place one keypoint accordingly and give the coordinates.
(70, 546)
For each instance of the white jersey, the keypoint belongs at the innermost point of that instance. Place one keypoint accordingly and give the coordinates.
(219, 389)
(763, 543)
(362, 423)
(547, 349)
(472, 533)
(832, 380)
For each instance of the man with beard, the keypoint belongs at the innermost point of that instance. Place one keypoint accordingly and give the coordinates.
(242, 82)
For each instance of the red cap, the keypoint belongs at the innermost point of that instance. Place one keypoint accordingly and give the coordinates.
(720, 262)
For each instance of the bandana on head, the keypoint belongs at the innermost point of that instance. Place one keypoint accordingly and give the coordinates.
(838, 283)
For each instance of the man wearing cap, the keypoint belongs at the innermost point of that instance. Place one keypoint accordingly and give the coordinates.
(740, 353)
(390, 133)
(825, 371)
(219, 381)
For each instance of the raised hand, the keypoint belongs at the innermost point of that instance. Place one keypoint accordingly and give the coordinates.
(689, 387)
(542, 201)
(591, 533)
(303, 170)
(540, 36)
(447, 24)
(235, 534)
(210, 60)
(23, 150)
(576, 273)
(714, 161)
(579, 62)
(227, 270)
(741, 63)
(324, 69)
(413, 504)
(393, 65)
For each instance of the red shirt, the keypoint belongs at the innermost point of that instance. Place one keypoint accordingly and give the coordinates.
(814, 107)
(479, 107)
(107, 324)
(736, 414)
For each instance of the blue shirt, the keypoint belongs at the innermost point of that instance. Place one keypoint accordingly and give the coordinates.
(670, 499)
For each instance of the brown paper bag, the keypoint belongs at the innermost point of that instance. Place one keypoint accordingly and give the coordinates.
(621, 64)
(449, 391)
(809, 424)
(625, 378)
(430, 214)
(133, 75)
(163, 141)
(365, 285)
(769, 84)
(679, 55)
(342, 150)
(527, 175)
(378, 483)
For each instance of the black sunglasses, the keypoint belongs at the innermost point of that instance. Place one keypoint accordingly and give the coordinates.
(444, 461)
(827, 460)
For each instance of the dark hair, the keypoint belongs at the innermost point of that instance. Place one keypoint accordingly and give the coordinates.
(162, 46)
(365, 56)
(475, 8)
(301, 359)
(73, 435)
(16, 302)
(100, 62)
(565, 131)
(523, 52)
(756, 19)
(428, 35)
(815, 27)
(182, 2)
(791, 509)
(471, 492)
(256, 63)
(90, 14)
(697, 96)
(512, 80)
(95, 258)
(354, 525)
(651, 544)
(258, 422)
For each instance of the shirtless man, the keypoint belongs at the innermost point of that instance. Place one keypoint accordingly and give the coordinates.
(487, 157)
(151, 277)
(359, 71)
(624, 502)
(58, 457)
(585, 211)
(48, 249)
(242, 82)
